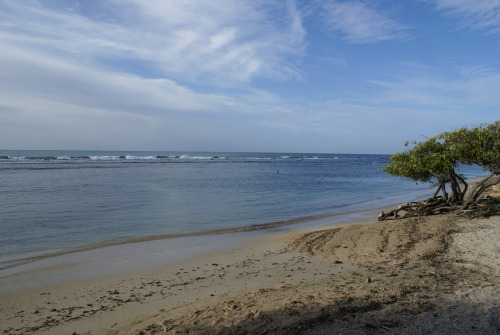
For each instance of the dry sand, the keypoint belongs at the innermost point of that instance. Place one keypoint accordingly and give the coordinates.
(433, 275)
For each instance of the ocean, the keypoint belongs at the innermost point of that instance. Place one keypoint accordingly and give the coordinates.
(59, 201)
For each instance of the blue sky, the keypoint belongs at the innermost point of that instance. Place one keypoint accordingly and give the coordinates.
(360, 76)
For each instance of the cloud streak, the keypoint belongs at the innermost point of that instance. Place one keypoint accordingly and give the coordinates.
(219, 42)
(51, 78)
(356, 22)
(478, 14)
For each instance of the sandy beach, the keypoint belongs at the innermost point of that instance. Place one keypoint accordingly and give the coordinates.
(433, 275)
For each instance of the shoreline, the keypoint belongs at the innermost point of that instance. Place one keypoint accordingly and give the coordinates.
(222, 231)
(122, 259)
(100, 261)
(295, 224)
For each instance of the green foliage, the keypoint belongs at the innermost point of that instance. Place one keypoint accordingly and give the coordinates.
(479, 145)
(425, 162)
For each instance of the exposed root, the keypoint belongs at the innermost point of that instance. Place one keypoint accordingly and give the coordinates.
(433, 206)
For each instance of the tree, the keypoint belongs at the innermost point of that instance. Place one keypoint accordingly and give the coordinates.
(437, 160)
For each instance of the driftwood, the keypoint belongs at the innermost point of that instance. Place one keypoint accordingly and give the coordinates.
(431, 206)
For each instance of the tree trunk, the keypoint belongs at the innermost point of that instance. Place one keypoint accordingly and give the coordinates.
(437, 191)
(443, 190)
(456, 189)
(466, 186)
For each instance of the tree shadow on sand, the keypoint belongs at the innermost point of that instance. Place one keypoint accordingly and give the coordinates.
(408, 314)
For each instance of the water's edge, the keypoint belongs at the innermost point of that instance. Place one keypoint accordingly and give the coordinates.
(263, 229)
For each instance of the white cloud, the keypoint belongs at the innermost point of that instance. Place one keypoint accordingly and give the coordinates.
(47, 102)
(476, 14)
(359, 23)
(49, 78)
(84, 72)
(221, 42)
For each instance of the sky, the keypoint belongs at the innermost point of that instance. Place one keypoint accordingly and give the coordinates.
(324, 76)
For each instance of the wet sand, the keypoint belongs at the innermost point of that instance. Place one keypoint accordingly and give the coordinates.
(433, 275)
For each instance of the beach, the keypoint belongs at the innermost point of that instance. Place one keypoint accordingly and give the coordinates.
(432, 275)
(249, 167)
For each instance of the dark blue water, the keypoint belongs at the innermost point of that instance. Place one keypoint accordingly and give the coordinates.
(55, 201)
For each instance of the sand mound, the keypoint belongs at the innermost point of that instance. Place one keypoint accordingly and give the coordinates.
(403, 241)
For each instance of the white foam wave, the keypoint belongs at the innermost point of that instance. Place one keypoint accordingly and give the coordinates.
(198, 157)
(130, 157)
(105, 158)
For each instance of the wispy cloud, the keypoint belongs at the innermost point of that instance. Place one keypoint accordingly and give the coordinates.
(359, 23)
(51, 78)
(477, 14)
(221, 42)
(101, 71)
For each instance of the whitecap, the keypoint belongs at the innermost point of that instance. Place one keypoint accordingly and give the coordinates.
(130, 157)
(104, 158)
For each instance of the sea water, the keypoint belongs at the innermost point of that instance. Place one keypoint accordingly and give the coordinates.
(59, 201)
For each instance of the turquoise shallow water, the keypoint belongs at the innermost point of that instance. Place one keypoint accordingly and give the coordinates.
(56, 201)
